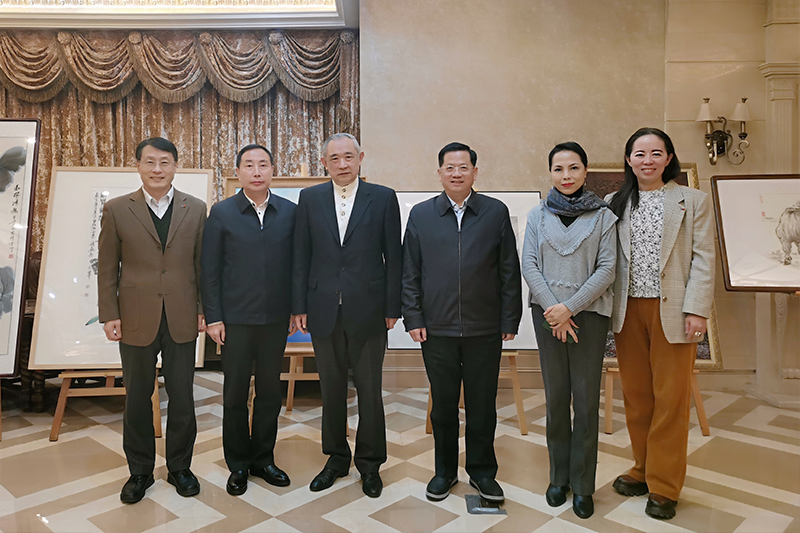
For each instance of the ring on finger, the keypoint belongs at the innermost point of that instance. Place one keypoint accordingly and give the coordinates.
(698, 334)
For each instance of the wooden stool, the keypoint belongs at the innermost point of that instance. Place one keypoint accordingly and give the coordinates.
(296, 355)
(511, 374)
(109, 390)
(613, 373)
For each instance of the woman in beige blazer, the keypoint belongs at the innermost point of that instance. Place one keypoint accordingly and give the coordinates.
(662, 297)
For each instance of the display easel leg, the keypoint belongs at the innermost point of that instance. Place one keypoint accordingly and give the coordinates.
(293, 367)
(58, 417)
(156, 410)
(609, 403)
(698, 404)
(612, 373)
(428, 423)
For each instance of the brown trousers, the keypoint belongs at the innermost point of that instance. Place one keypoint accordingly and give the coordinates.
(656, 385)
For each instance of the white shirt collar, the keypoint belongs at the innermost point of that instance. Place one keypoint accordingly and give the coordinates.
(455, 205)
(167, 198)
(257, 206)
(348, 190)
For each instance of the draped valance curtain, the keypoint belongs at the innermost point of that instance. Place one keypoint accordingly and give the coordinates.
(99, 93)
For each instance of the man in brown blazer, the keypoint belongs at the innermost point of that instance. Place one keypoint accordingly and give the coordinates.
(148, 273)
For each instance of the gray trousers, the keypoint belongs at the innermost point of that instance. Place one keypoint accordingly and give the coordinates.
(572, 372)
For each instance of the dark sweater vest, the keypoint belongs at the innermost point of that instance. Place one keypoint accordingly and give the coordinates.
(162, 224)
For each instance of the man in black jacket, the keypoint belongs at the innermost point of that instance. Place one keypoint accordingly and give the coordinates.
(347, 270)
(246, 286)
(467, 303)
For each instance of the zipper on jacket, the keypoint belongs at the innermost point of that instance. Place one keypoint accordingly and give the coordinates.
(460, 321)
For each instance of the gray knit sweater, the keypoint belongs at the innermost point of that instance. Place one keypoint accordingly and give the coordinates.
(572, 265)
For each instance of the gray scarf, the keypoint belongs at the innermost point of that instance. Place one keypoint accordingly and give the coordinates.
(573, 206)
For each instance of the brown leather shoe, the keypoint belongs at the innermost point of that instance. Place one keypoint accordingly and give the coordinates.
(628, 486)
(660, 507)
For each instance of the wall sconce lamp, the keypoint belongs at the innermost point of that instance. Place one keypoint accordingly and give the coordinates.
(720, 141)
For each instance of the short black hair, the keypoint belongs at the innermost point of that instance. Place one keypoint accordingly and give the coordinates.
(252, 147)
(159, 143)
(569, 146)
(458, 147)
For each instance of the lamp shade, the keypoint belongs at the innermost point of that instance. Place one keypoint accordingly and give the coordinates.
(705, 114)
(742, 111)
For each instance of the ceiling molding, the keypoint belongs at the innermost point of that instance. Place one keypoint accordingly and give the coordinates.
(345, 16)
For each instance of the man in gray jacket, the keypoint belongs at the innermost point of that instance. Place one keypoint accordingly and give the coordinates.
(466, 305)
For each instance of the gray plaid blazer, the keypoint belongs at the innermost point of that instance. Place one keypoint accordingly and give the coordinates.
(687, 261)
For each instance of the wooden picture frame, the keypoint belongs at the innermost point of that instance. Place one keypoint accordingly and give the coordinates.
(66, 333)
(604, 178)
(758, 225)
(19, 155)
(280, 184)
(519, 204)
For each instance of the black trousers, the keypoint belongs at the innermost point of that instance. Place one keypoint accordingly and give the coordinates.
(336, 353)
(476, 362)
(249, 347)
(572, 375)
(139, 376)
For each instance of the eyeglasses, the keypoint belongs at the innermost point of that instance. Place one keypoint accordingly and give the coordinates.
(149, 163)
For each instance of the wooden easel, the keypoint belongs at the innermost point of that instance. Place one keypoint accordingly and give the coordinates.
(109, 390)
(296, 355)
(511, 374)
(613, 372)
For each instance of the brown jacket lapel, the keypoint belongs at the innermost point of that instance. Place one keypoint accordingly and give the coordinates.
(140, 210)
(179, 210)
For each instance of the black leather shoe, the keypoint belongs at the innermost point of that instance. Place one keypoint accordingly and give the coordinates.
(660, 507)
(272, 475)
(488, 488)
(325, 479)
(372, 485)
(627, 486)
(582, 505)
(185, 482)
(237, 483)
(133, 490)
(556, 496)
(439, 488)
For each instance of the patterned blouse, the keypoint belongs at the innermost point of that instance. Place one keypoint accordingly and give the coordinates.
(647, 225)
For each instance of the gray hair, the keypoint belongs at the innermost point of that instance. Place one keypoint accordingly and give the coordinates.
(336, 136)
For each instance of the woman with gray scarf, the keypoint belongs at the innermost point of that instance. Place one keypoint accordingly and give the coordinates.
(568, 262)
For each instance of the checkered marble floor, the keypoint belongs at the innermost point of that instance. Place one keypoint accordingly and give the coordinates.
(744, 477)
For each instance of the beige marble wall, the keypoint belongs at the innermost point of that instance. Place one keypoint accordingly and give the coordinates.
(510, 78)
(513, 77)
(713, 50)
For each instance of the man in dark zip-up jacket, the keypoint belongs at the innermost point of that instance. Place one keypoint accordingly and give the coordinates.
(246, 282)
(462, 297)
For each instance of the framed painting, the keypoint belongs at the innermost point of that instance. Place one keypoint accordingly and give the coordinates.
(606, 178)
(19, 150)
(66, 332)
(519, 205)
(758, 224)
